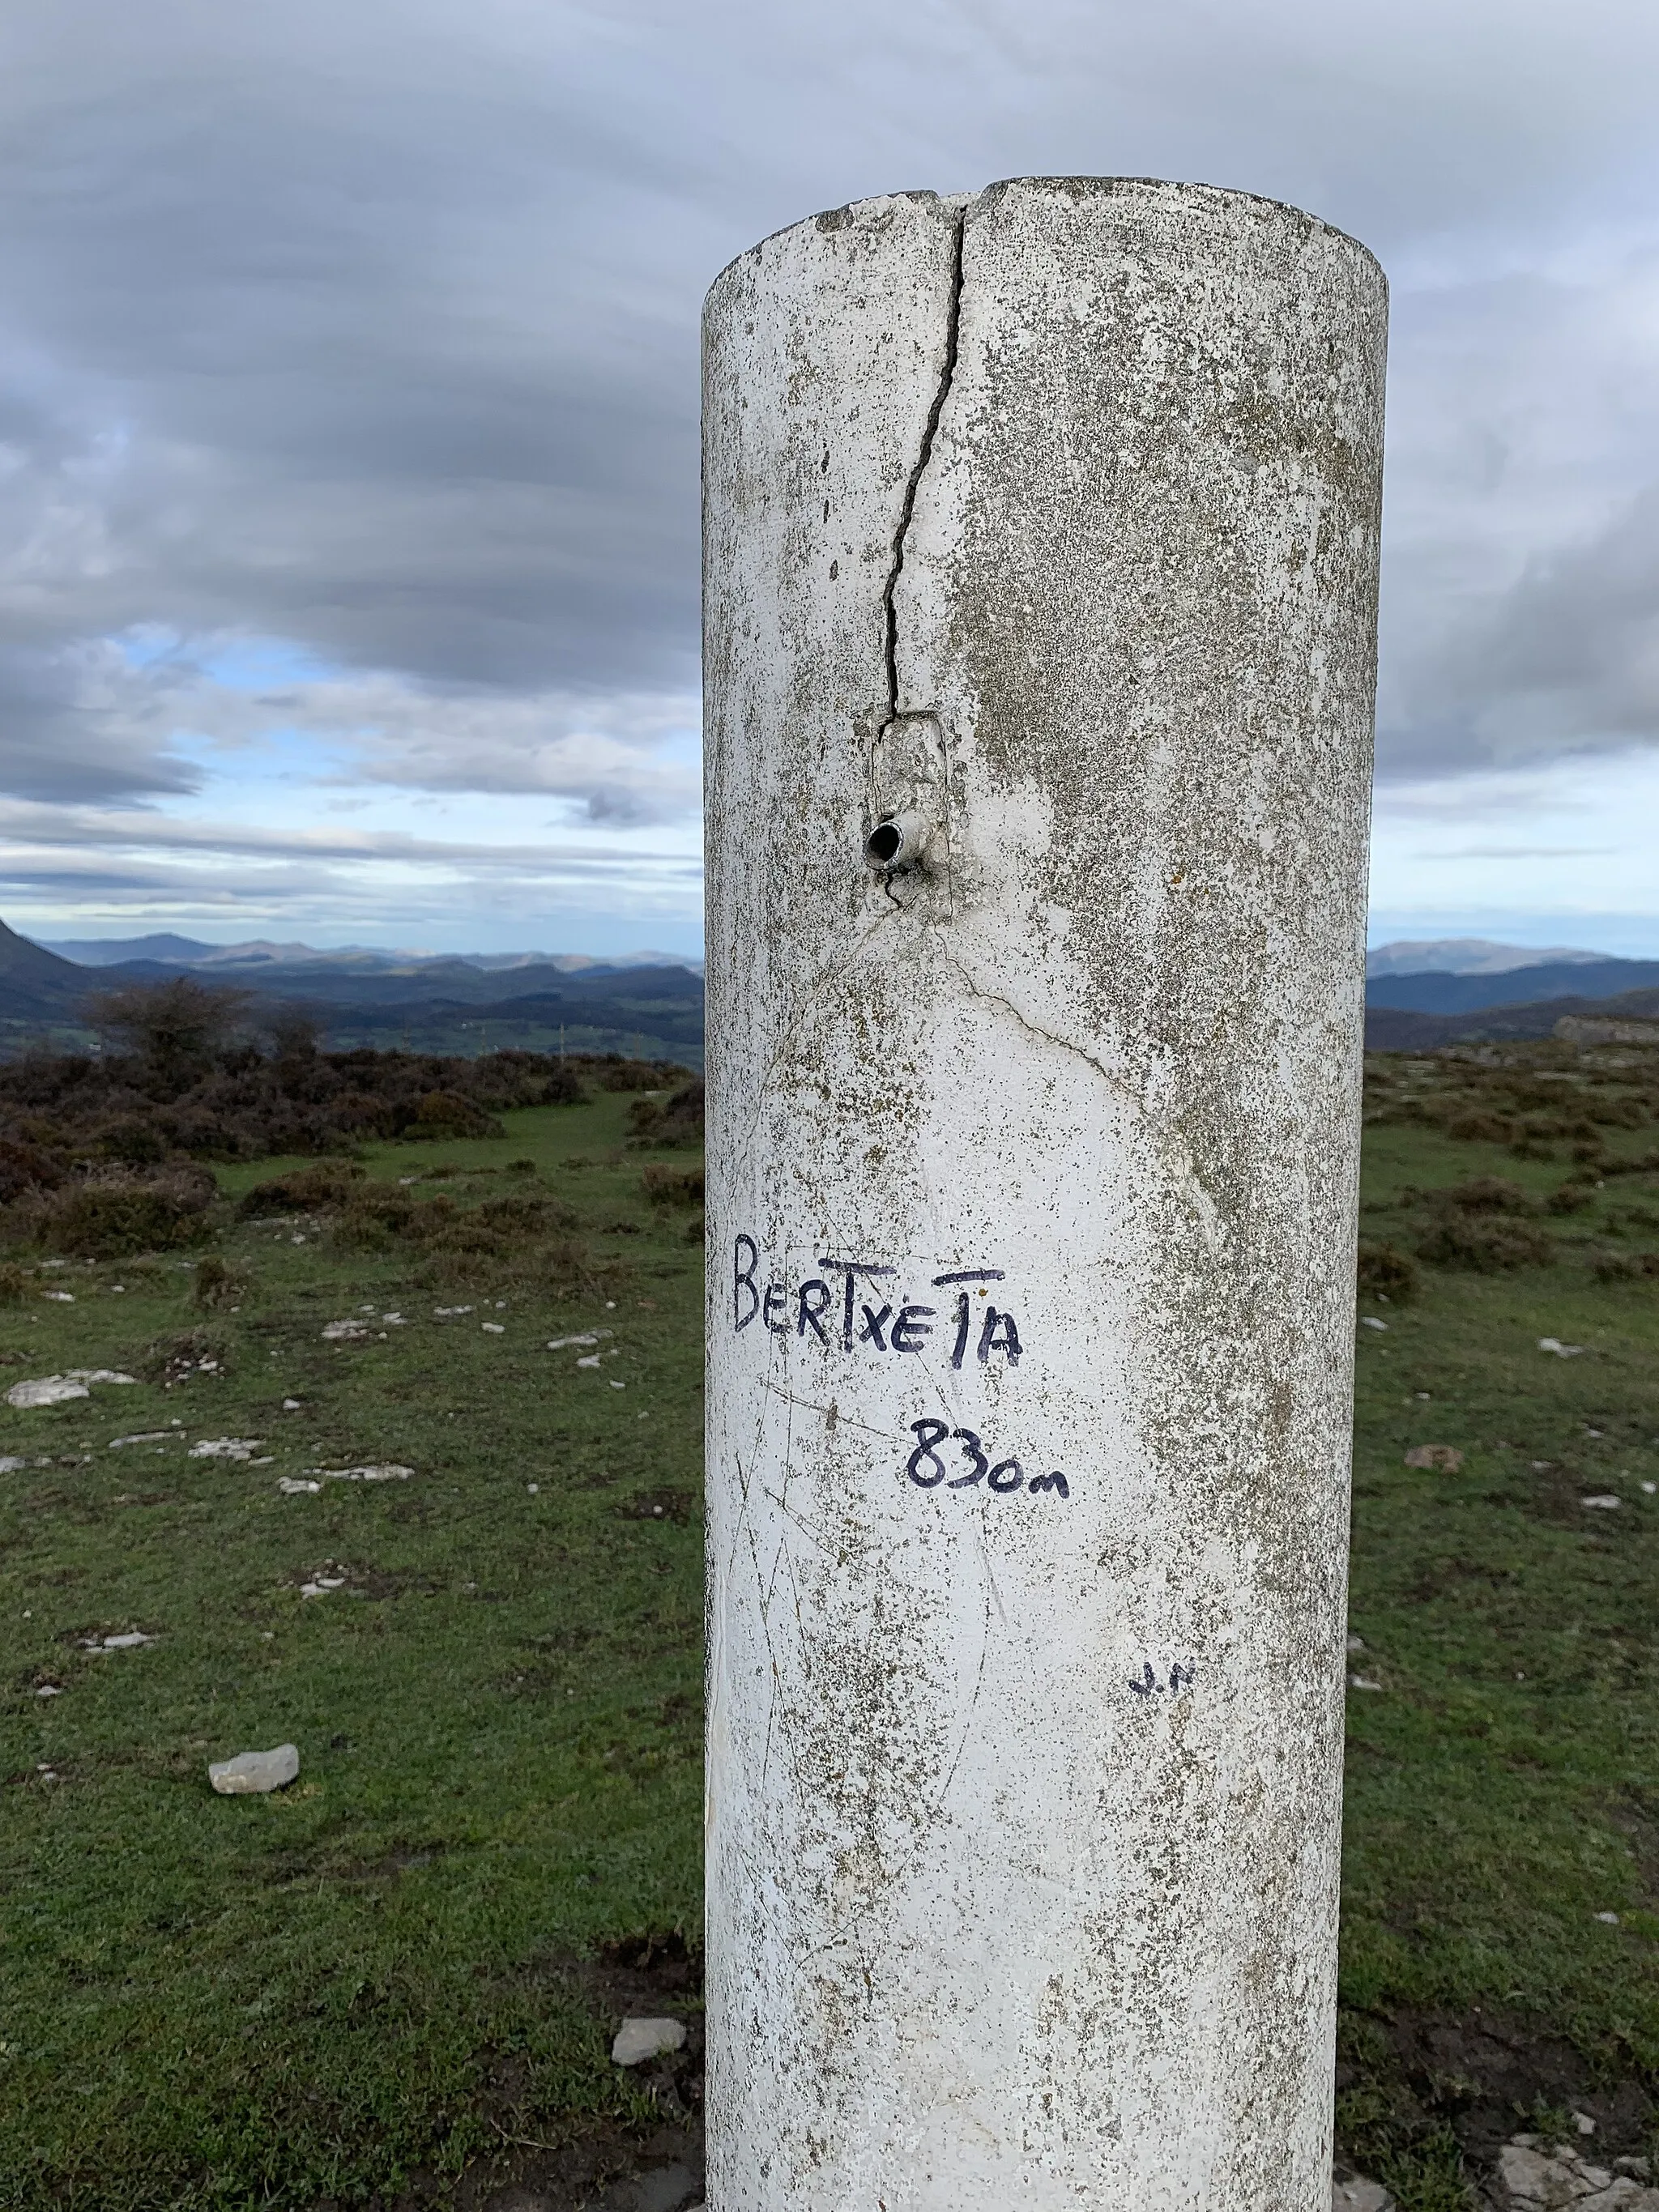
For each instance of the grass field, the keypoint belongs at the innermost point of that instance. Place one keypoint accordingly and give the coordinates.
(409, 1963)
(226, 2002)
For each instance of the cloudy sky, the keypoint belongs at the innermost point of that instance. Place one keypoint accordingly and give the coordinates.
(347, 423)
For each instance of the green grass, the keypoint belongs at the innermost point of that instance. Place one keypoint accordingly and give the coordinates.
(223, 2003)
(1503, 1781)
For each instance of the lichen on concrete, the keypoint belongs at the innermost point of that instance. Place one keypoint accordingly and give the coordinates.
(1047, 519)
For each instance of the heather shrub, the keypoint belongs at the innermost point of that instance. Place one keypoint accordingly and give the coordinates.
(634, 1075)
(675, 1120)
(1486, 1247)
(116, 1211)
(302, 1190)
(446, 1114)
(665, 1185)
(1487, 1195)
(217, 1285)
(1385, 1273)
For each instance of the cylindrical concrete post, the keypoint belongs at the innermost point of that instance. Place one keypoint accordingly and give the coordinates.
(1042, 540)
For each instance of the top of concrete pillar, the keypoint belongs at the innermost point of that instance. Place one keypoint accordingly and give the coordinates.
(1194, 198)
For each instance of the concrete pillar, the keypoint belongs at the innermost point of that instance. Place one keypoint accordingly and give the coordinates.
(1042, 535)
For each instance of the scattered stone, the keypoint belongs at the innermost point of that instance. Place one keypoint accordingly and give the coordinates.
(346, 1332)
(534, 1488)
(1610, 1919)
(9, 1465)
(322, 1586)
(1534, 2176)
(1360, 2196)
(1604, 1502)
(49, 1690)
(449, 1313)
(127, 1642)
(1369, 1321)
(592, 1360)
(144, 1437)
(492, 1327)
(63, 1298)
(1356, 1643)
(386, 1473)
(1561, 1351)
(588, 1336)
(226, 1447)
(291, 1405)
(250, 1773)
(1582, 2122)
(1446, 1457)
(294, 1485)
(1362, 1682)
(55, 1390)
(640, 2040)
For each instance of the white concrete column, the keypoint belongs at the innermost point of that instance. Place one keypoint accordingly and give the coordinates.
(1042, 535)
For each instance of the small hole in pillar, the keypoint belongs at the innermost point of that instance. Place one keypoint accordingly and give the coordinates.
(884, 844)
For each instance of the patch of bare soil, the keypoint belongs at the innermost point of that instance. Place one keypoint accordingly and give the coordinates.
(607, 2169)
(1486, 2076)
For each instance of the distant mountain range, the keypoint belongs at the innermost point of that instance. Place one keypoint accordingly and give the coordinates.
(1401, 1029)
(1465, 956)
(651, 1003)
(646, 1004)
(171, 951)
(1437, 993)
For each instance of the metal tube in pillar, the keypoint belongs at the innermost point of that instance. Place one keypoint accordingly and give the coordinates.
(1041, 546)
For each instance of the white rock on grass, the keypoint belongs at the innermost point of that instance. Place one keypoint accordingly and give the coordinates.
(640, 2040)
(226, 1447)
(9, 1464)
(294, 1485)
(1561, 1351)
(492, 1327)
(1360, 2196)
(63, 1298)
(1369, 1321)
(144, 1437)
(386, 1472)
(322, 1586)
(346, 1332)
(1534, 2176)
(57, 1389)
(1604, 1502)
(129, 1642)
(250, 1773)
(588, 1336)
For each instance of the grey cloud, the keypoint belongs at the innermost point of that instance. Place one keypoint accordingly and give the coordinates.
(373, 328)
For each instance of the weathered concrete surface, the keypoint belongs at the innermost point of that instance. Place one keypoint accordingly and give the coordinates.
(1043, 525)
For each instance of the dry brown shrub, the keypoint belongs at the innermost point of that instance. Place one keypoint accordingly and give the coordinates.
(446, 1114)
(1487, 1195)
(115, 1211)
(217, 1285)
(676, 1120)
(302, 1190)
(1485, 1247)
(636, 1075)
(666, 1186)
(1385, 1272)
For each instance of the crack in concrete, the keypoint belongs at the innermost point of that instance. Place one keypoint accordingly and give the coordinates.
(1177, 1153)
(907, 516)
